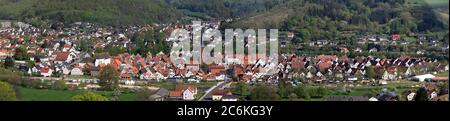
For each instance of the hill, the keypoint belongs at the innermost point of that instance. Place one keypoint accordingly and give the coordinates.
(327, 19)
(111, 12)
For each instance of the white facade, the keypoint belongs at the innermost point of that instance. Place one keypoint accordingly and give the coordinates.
(105, 61)
(188, 95)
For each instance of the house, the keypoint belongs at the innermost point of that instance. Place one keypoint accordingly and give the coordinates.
(229, 97)
(192, 67)
(395, 37)
(102, 60)
(76, 71)
(344, 50)
(160, 95)
(193, 80)
(175, 96)
(46, 72)
(390, 74)
(63, 57)
(5, 53)
(422, 78)
(411, 96)
(183, 92)
(217, 94)
(65, 71)
(373, 50)
(290, 34)
(373, 99)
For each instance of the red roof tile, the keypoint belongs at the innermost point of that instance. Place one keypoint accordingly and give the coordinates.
(62, 56)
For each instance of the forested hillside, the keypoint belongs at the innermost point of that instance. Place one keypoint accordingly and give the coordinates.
(326, 19)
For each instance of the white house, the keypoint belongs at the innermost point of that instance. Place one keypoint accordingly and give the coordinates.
(46, 72)
(411, 96)
(188, 94)
(76, 71)
(65, 71)
(422, 78)
(129, 82)
(105, 61)
(193, 80)
(373, 99)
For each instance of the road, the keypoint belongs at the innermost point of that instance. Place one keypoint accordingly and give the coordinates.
(219, 85)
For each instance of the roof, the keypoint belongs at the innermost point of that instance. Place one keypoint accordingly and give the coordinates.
(229, 97)
(181, 88)
(425, 76)
(175, 94)
(62, 56)
(325, 65)
(218, 92)
(44, 70)
(440, 79)
(162, 92)
(326, 57)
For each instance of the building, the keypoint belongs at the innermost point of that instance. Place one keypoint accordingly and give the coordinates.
(183, 92)
(76, 71)
(160, 95)
(421, 78)
(46, 72)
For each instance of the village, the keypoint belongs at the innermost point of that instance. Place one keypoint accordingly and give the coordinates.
(57, 53)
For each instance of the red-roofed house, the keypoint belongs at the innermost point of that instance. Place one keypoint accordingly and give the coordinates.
(326, 58)
(46, 72)
(189, 91)
(395, 37)
(325, 65)
(63, 57)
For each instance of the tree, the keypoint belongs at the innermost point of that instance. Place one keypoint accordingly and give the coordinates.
(6, 92)
(204, 67)
(109, 78)
(264, 93)
(322, 91)
(9, 62)
(370, 72)
(59, 85)
(85, 45)
(10, 76)
(302, 92)
(421, 95)
(293, 97)
(282, 91)
(21, 53)
(242, 89)
(115, 95)
(89, 96)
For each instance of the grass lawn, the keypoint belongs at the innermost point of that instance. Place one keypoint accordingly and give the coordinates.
(442, 74)
(30, 94)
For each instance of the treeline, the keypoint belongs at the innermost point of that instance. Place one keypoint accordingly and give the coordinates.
(223, 8)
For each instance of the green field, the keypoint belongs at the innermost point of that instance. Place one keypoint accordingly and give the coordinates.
(30, 94)
(443, 74)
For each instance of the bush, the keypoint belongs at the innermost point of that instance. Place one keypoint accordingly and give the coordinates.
(302, 92)
(89, 96)
(7, 92)
(10, 76)
(59, 85)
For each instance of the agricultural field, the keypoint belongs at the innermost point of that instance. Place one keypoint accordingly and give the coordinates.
(30, 94)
